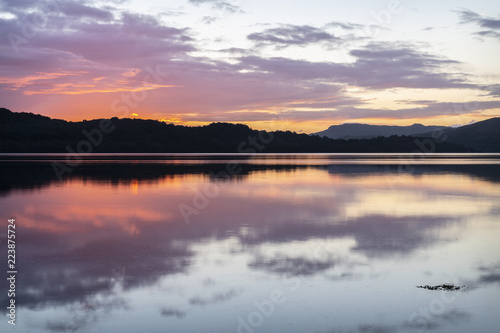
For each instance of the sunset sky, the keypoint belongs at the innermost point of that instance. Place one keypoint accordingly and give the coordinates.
(271, 64)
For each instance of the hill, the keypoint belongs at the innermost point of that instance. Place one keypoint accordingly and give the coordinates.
(30, 133)
(364, 131)
(482, 136)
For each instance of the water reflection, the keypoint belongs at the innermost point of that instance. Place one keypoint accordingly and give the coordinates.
(301, 247)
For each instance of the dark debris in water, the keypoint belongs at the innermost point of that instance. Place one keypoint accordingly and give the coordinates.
(446, 286)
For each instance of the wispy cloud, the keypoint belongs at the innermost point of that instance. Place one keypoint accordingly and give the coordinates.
(75, 52)
(219, 4)
(89, 47)
(491, 25)
(288, 35)
(377, 66)
(215, 298)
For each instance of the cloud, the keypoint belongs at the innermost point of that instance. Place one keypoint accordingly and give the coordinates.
(345, 25)
(288, 35)
(494, 90)
(172, 312)
(377, 66)
(489, 275)
(215, 298)
(291, 266)
(218, 4)
(432, 110)
(86, 48)
(236, 50)
(362, 29)
(79, 10)
(492, 25)
(80, 54)
(389, 238)
(123, 259)
(483, 21)
(26, 9)
(86, 312)
(209, 19)
(430, 323)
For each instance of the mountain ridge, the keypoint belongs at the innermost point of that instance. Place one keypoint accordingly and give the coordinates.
(29, 133)
(482, 136)
(366, 131)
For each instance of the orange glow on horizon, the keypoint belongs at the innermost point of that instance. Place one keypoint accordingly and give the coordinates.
(98, 106)
(58, 89)
(312, 126)
(17, 83)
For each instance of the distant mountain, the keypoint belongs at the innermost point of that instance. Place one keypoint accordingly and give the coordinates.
(363, 131)
(30, 133)
(481, 136)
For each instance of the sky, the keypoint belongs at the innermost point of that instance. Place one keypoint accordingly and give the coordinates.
(270, 64)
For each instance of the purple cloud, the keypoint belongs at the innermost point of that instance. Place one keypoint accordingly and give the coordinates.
(494, 90)
(468, 16)
(491, 24)
(79, 10)
(376, 67)
(288, 35)
(84, 48)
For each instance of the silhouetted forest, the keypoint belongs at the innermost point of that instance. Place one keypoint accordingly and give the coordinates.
(483, 136)
(29, 133)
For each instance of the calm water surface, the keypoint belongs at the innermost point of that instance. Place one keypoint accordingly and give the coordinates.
(276, 243)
